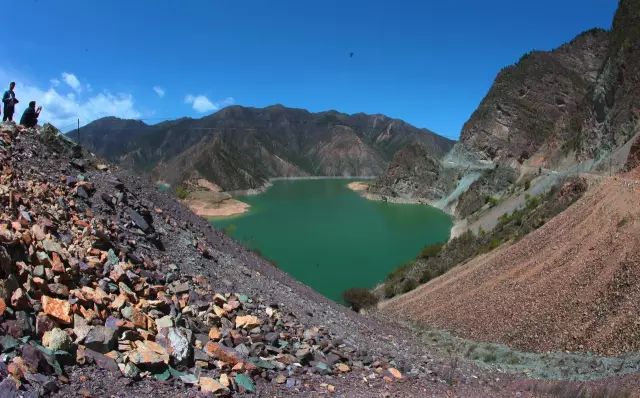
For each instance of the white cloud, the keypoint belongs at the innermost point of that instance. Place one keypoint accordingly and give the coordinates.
(62, 108)
(202, 104)
(72, 81)
(159, 90)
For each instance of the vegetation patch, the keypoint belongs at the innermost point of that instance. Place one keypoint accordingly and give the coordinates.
(434, 260)
(181, 192)
(359, 298)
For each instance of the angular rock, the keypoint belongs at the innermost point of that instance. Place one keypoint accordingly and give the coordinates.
(56, 308)
(102, 361)
(149, 355)
(101, 339)
(225, 354)
(177, 343)
(210, 385)
(56, 340)
(164, 322)
(247, 321)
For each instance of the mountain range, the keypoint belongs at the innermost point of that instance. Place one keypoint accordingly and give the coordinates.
(240, 148)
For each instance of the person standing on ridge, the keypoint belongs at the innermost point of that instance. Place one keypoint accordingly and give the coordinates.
(9, 100)
(30, 116)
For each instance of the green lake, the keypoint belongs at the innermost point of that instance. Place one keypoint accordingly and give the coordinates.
(329, 237)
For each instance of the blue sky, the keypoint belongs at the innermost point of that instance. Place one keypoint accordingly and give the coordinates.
(427, 62)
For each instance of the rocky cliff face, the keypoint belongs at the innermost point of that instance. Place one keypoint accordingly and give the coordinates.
(530, 105)
(413, 174)
(612, 109)
(240, 148)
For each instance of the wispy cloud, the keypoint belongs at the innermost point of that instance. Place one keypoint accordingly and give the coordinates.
(202, 104)
(63, 107)
(159, 90)
(72, 81)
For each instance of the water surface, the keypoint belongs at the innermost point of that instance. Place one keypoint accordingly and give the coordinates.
(331, 238)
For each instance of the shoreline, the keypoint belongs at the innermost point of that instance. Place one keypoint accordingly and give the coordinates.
(269, 183)
(224, 208)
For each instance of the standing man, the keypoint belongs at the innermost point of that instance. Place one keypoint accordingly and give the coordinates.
(9, 100)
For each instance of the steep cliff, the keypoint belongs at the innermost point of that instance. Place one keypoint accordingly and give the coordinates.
(531, 104)
(413, 174)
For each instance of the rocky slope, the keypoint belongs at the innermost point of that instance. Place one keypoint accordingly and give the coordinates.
(570, 285)
(241, 148)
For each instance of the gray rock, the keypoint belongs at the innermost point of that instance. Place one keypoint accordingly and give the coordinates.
(101, 339)
(177, 342)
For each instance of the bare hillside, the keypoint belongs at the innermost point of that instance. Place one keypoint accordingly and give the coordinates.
(574, 284)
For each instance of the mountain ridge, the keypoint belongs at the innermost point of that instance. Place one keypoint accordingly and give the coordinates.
(240, 147)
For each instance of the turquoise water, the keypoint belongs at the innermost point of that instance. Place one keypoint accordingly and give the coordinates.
(331, 238)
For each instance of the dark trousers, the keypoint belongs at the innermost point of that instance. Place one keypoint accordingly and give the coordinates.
(8, 114)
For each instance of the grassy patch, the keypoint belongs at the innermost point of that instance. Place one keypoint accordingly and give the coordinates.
(181, 192)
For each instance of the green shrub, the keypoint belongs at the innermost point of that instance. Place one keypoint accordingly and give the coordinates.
(389, 290)
(399, 272)
(181, 192)
(409, 284)
(431, 250)
(359, 298)
(492, 201)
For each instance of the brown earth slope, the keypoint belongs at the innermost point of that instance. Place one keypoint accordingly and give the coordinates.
(574, 284)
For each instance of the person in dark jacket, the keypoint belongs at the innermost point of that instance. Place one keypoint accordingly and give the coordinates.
(30, 116)
(9, 100)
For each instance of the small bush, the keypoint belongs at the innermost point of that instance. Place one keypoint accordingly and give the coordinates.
(492, 201)
(409, 284)
(624, 221)
(389, 290)
(431, 250)
(181, 192)
(489, 357)
(527, 185)
(398, 273)
(359, 298)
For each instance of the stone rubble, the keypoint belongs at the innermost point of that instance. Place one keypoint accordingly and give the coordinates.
(73, 293)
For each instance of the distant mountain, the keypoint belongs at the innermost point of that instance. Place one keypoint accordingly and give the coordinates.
(241, 148)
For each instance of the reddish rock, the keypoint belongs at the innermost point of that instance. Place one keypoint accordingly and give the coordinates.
(56, 308)
(225, 354)
(56, 263)
(19, 300)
